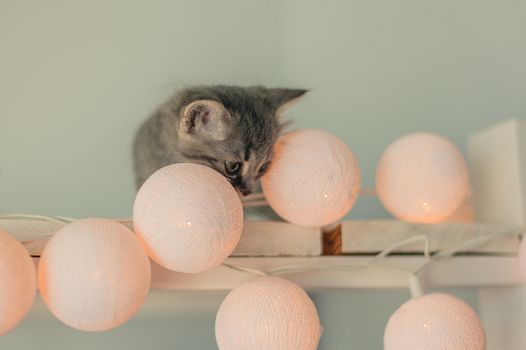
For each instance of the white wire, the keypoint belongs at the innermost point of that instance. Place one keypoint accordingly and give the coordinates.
(414, 286)
(56, 219)
(247, 269)
(475, 242)
(406, 241)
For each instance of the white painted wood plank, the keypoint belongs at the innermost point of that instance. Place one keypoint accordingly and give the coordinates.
(34, 233)
(259, 238)
(265, 238)
(270, 238)
(497, 160)
(376, 235)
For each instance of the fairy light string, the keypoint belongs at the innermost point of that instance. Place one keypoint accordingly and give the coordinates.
(380, 259)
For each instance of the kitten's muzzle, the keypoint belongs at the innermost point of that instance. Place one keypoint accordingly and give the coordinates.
(246, 187)
(245, 192)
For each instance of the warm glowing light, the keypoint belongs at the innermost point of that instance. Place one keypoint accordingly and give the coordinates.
(434, 322)
(188, 217)
(267, 313)
(94, 274)
(426, 206)
(310, 166)
(422, 178)
(17, 282)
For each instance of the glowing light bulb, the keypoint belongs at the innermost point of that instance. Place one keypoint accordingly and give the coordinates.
(434, 322)
(314, 178)
(267, 313)
(422, 178)
(94, 274)
(188, 217)
(17, 282)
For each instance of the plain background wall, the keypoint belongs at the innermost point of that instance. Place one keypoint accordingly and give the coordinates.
(352, 320)
(77, 77)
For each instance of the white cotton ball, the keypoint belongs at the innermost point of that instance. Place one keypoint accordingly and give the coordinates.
(434, 322)
(267, 313)
(188, 217)
(18, 282)
(94, 274)
(313, 180)
(422, 178)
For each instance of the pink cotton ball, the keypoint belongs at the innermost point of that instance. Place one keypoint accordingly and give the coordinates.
(267, 313)
(422, 178)
(17, 282)
(314, 178)
(189, 217)
(434, 322)
(94, 274)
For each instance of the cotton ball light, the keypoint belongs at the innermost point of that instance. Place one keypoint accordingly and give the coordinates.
(17, 282)
(189, 217)
(422, 178)
(94, 274)
(267, 313)
(434, 322)
(314, 178)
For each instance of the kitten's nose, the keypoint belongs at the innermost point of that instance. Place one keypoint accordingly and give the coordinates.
(245, 191)
(247, 187)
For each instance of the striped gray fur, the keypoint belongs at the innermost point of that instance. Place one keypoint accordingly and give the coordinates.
(231, 129)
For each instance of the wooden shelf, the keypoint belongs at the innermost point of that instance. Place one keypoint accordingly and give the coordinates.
(269, 245)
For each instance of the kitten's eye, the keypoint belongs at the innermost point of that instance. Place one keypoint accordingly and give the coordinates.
(263, 169)
(232, 168)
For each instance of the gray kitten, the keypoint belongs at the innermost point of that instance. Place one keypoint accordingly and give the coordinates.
(230, 129)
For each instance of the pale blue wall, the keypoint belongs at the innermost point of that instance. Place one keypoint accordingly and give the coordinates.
(76, 78)
(352, 320)
(380, 69)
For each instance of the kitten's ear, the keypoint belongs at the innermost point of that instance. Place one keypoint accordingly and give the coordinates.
(205, 119)
(283, 99)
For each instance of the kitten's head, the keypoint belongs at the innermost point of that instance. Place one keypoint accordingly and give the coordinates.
(231, 129)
